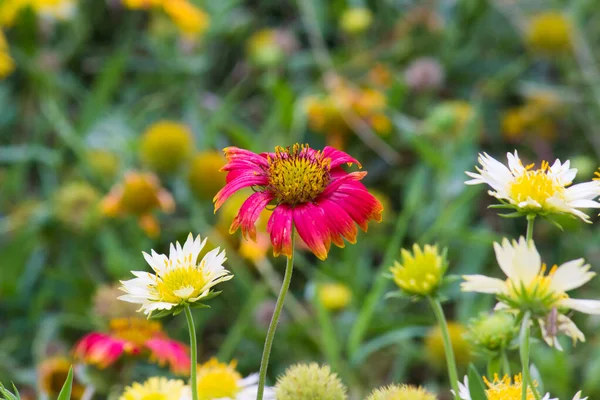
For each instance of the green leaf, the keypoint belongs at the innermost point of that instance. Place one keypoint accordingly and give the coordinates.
(65, 392)
(7, 395)
(476, 388)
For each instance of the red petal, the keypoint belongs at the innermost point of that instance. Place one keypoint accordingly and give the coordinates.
(280, 229)
(339, 157)
(249, 213)
(361, 205)
(311, 223)
(240, 182)
(340, 223)
(172, 352)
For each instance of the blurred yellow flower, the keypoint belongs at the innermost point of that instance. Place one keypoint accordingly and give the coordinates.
(356, 20)
(264, 49)
(52, 374)
(76, 204)
(155, 388)
(537, 117)
(7, 64)
(142, 4)
(434, 345)
(166, 145)
(55, 9)
(403, 392)
(327, 114)
(139, 194)
(204, 176)
(334, 296)
(103, 163)
(189, 19)
(255, 251)
(449, 118)
(380, 75)
(421, 271)
(550, 32)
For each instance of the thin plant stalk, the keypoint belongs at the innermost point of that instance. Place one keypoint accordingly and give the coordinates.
(530, 221)
(264, 362)
(524, 353)
(193, 351)
(450, 360)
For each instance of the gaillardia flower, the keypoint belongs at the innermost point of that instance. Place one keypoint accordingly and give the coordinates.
(505, 388)
(217, 380)
(178, 279)
(139, 194)
(403, 392)
(311, 191)
(155, 388)
(52, 374)
(133, 337)
(529, 289)
(542, 191)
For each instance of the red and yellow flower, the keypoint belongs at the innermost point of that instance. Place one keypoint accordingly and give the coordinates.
(311, 192)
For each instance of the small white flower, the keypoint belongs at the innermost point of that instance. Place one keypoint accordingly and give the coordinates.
(177, 279)
(499, 389)
(529, 288)
(546, 190)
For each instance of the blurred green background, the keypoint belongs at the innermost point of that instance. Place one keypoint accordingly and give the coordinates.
(137, 98)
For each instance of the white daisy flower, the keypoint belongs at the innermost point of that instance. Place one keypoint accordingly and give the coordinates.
(155, 388)
(542, 191)
(501, 389)
(220, 381)
(177, 279)
(529, 288)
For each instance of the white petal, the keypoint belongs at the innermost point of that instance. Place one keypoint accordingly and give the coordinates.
(571, 275)
(482, 284)
(581, 305)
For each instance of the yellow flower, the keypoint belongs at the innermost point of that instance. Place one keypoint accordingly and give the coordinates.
(204, 177)
(550, 32)
(334, 296)
(10, 9)
(434, 345)
(264, 49)
(356, 20)
(255, 251)
(191, 20)
(52, 374)
(420, 272)
(155, 388)
(141, 4)
(514, 123)
(103, 163)
(139, 194)
(76, 205)
(166, 145)
(404, 392)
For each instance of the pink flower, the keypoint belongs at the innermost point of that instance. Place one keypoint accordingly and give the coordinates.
(311, 193)
(134, 337)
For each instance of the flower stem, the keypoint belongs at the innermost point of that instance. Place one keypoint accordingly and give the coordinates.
(530, 221)
(524, 353)
(264, 362)
(193, 350)
(450, 361)
(505, 364)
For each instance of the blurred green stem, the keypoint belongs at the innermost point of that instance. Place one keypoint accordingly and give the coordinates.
(264, 362)
(505, 364)
(193, 351)
(530, 221)
(450, 360)
(524, 352)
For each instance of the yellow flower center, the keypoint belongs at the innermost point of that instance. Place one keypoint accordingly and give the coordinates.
(536, 185)
(155, 396)
(217, 380)
(140, 194)
(504, 389)
(298, 175)
(537, 296)
(135, 330)
(181, 283)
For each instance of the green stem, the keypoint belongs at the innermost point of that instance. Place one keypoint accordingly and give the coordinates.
(530, 221)
(524, 352)
(264, 362)
(193, 351)
(450, 360)
(505, 364)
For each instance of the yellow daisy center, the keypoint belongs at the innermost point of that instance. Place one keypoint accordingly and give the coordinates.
(181, 283)
(537, 296)
(156, 388)
(504, 389)
(217, 380)
(536, 185)
(297, 174)
(135, 330)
